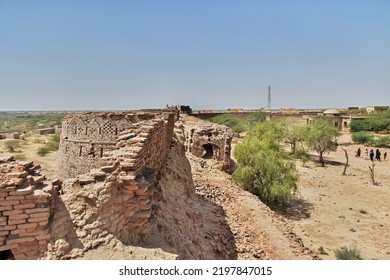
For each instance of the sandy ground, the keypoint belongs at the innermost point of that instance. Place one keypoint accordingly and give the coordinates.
(332, 210)
(29, 148)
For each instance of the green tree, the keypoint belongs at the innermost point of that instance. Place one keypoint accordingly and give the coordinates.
(321, 137)
(295, 134)
(263, 168)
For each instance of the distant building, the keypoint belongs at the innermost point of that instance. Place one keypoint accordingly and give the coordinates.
(44, 131)
(372, 109)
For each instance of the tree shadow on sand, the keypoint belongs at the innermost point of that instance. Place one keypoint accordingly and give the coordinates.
(297, 209)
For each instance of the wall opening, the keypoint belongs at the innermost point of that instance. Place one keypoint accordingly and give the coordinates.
(81, 151)
(208, 151)
(6, 255)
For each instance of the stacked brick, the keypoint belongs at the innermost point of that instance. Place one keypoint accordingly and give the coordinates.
(26, 198)
(100, 132)
(115, 196)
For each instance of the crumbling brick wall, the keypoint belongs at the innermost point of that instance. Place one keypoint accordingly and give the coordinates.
(100, 132)
(115, 196)
(26, 200)
(204, 139)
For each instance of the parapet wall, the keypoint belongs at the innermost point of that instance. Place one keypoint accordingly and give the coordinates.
(26, 201)
(89, 137)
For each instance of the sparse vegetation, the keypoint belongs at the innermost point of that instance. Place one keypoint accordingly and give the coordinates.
(28, 121)
(345, 253)
(239, 124)
(363, 211)
(20, 157)
(363, 137)
(42, 151)
(13, 145)
(52, 145)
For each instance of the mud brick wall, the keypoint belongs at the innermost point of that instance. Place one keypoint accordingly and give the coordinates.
(26, 200)
(115, 196)
(102, 131)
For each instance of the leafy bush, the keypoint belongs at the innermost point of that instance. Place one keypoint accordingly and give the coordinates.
(351, 253)
(380, 142)
(362, 137)
(42, 151)
(378, 121)
(239, 124)
(52, 145)
(230, 121)
(12, 145)
(262, 165)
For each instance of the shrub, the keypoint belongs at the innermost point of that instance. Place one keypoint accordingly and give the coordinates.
(12, 145)
(362, 137)
(351, 253)
(380, 142)
(42, 151)
(263, 168)
(20, 157)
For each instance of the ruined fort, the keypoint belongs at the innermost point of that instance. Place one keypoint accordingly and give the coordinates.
(108, 185)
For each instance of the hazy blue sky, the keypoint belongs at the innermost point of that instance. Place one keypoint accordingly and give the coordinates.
(117, 54)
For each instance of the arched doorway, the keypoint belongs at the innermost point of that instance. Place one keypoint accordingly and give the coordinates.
(210, 151)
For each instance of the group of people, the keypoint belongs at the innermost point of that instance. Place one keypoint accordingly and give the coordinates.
(377, 154)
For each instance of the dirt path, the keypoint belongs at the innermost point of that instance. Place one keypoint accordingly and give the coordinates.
(259, 233)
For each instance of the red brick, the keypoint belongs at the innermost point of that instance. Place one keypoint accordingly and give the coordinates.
(20, 240)
(17, 222)
(10, 202)
(39, 215)
(37, 210)
(8, 247)
(25, 206)
(4, 232)
(26, 226)
(24, 191)
(16, 197)
(3, 219)
(18, 217)
(3, 224)
(6, 208)
(35, 200)
(9, 227)
(12, 212)
(18, 231)
(35, 220)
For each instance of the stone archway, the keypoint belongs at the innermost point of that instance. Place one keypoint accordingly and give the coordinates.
(210, 151)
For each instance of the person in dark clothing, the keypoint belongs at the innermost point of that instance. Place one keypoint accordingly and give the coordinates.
(378, 155)
(358, 152)
(385, 155)
(372, 155)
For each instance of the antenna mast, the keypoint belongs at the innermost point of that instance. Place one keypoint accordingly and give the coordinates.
(269, 98)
